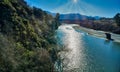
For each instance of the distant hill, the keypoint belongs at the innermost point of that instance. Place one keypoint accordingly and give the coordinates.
(75, 16)
(50, 13)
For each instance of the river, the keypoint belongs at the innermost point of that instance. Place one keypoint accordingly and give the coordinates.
(86, 53)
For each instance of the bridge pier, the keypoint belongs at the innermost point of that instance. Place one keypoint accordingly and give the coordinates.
(108, 36)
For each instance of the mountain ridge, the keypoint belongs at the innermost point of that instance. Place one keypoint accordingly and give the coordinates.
(75, 16)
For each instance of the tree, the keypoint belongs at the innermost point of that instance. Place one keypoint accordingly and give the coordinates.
(117, 19)
(57, 23)
(57, 17)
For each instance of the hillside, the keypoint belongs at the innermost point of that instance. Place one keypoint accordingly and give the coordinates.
(27, 42)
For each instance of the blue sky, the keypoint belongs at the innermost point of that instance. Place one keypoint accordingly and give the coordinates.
(104, 8)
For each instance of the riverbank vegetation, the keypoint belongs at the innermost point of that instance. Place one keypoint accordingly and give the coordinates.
(103, 24)
(27, 42)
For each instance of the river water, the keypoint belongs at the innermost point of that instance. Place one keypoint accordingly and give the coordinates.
(86, 53)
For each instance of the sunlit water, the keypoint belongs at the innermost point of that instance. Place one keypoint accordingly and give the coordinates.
(86, 53)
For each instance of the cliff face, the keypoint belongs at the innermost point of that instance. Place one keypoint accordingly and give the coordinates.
(26, 38)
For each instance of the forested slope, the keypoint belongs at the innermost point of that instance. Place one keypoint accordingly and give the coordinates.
(27, 42)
